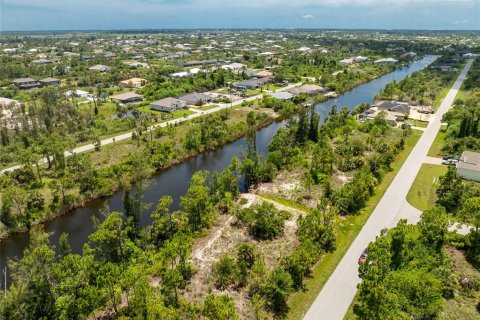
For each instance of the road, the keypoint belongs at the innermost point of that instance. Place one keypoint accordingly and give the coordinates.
(128, 135)
(336, 296)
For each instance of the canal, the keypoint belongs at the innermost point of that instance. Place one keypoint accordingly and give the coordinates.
(78, 224)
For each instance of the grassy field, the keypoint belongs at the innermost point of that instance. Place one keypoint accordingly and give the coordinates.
(347, 230)
(416, 123)
(422, 193)
(437, 145)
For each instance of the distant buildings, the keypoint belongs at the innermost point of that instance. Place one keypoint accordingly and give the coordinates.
(134, 83)
(99, 68)
(26, 83)
(49, 82)
(309, 89)
(386, 61)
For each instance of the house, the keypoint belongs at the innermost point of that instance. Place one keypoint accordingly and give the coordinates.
(137, 64)
(234, 66)
(248, 84)
(386, 61)
(282, 95)
(195, 98)
(348, 61)
(99, 68)
(181, 74)
(127, 97)
(49, 82)
(309, 89)
(79, 94)
(373, 113)
(134, 83)
(469, 166)
(394, 106)
(26, 83)
(263, 74)
(42, 61)
(168, 105)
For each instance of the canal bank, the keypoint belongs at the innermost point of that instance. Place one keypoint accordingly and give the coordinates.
(174, 181)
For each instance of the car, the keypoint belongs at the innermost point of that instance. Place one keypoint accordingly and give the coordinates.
(363, 256)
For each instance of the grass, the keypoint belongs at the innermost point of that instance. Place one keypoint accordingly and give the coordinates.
(417, 123)
(463, 305)
(422, 193)
(285, 202)
(437, 145)
(347, 230)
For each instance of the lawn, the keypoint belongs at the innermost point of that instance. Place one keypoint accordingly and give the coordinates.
(347, 230)
(422, 193)
(437, 145)
(417, 123)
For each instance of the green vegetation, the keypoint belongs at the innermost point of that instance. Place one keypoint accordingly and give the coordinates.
(427, 87)
(346, 230)
(422, 194)
(437, 145)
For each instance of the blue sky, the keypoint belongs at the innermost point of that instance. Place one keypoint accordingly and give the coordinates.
(138, 14)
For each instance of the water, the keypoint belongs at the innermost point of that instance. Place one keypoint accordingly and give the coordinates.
(174, 181)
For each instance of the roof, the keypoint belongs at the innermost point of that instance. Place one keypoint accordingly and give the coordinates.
(282, 95)
(470, 157)
(307, 88)
(99, 67)
(167, 102)
(134, 81)
(49, 79)
(24, 80)
(126, 96)
(264, 73)
(195, 96)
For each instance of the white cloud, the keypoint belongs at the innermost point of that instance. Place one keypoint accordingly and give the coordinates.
(461, 21)
(308, 16)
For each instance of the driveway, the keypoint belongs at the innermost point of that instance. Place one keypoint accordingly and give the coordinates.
(340, 289)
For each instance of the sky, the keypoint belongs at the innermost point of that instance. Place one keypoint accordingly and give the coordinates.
(36, 15)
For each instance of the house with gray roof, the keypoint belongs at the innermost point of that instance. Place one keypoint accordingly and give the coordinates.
(168, 105)
(26, 83)
(195, 98)
(127, 97)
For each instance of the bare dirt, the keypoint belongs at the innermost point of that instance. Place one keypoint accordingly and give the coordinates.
(224, 238)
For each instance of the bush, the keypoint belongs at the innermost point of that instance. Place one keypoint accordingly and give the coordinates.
(264, 220)
(226, 272)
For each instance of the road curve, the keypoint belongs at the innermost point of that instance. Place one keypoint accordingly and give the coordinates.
(336, 296)
(128, 135)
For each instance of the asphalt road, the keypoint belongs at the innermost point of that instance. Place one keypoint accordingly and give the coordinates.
(128, 135)
(336, 296)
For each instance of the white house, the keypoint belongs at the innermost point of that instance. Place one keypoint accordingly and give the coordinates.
(386, 61)
(469, 166)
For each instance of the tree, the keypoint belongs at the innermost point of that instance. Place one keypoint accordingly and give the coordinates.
(226, 271)
(434, 226)
(219, 307)
(276, 290)
(197, 202)
(449, 191)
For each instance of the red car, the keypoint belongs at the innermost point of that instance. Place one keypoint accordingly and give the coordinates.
(363, 256)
